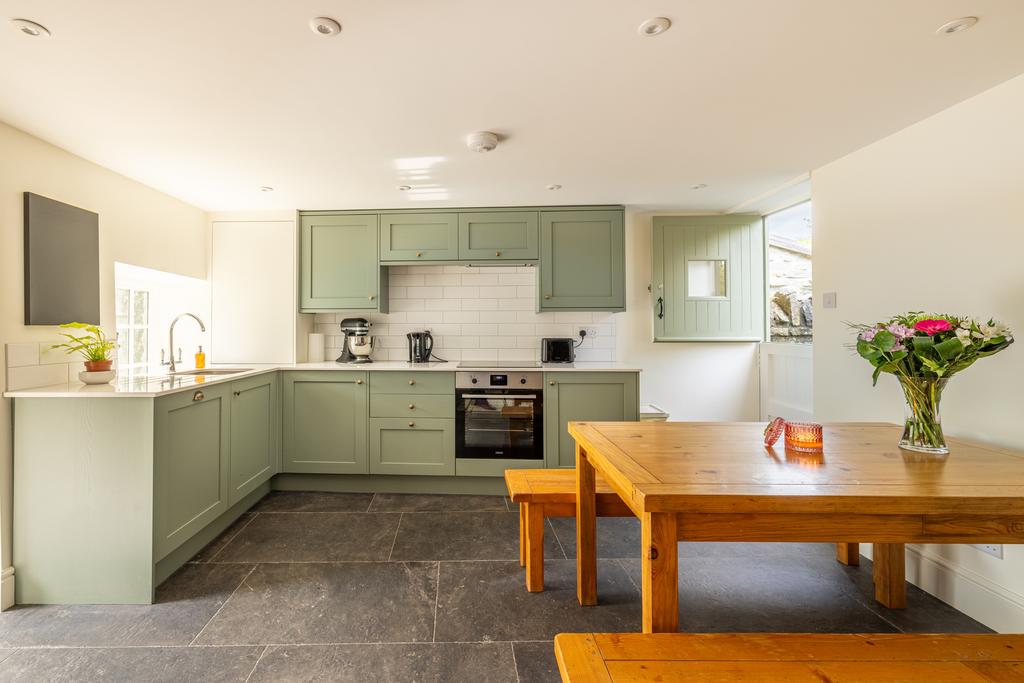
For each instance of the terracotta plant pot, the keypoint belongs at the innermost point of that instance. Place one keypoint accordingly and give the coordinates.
(98, 365)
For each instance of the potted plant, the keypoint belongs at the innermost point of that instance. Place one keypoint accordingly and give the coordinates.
(93, 346)
(923, 352)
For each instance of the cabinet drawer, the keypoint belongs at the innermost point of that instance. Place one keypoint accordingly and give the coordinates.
(386, 382)
(412, 406)
(400, 445)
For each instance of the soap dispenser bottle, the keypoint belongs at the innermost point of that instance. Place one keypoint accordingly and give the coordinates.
(200, 359)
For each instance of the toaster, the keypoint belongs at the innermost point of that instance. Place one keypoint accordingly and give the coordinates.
(558, 350)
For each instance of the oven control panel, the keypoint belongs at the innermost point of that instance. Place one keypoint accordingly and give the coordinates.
(499, 380)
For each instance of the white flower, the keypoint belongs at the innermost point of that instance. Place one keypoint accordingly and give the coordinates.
(996, 329)
(964, 336)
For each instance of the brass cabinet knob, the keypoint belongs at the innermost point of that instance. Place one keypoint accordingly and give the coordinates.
(419, 253)
(497, 253)
(198, 396)
(359, 381)
(372, 297)
(547, 296)
(551, 382)
(411, 382)
(412, 424)
(412, 406)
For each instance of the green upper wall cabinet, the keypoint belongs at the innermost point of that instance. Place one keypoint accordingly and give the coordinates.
(577, 396)
(498, 235)
(255, 427)
(708, 278)
(582, 261)
(419, 237)
(190, 463)
(325, 422)
(339, 263)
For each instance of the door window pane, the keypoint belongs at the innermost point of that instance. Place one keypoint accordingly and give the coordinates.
(789, 274)
(705, 278)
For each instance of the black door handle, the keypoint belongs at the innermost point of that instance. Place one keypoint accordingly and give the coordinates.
(661, 307)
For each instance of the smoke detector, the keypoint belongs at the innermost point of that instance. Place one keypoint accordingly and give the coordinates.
(482, 141)
(324, 26)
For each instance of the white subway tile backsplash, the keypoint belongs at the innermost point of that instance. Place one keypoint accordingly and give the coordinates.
(460, 316)
(516, 304)
(481, 330)
(446, 304)
(479, 304)
(498, 292)
(29, 376)
(442, 279)
(461, 292)
(518, 329)
(407, 305)
(421, 293)
(497, 316)
(396, 280)
(19, 355)
(517, 279)
(488, 280)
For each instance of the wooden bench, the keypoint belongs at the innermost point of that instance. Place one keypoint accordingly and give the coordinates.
(790, 657)
(550, 493)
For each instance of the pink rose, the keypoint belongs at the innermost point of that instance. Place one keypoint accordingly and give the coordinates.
(932, 326)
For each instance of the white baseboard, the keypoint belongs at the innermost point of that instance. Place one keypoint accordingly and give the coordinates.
(967, 591)
(7, 588)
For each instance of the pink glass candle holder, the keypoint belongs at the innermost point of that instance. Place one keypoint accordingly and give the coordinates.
(804, 436)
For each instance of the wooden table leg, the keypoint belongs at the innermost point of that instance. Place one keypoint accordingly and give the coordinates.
(889, 570)
(586, 529)
(522, 534)
(534, 547)
(660, 566)
(848, 554)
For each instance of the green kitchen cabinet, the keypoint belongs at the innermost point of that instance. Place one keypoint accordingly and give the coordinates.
(577, 396)
(324, 423)
(413, 237)
(255, 427)
(582, 261)
(498, 235)
(708, 278)
(401, 445)
(191, 463)
(339, 263)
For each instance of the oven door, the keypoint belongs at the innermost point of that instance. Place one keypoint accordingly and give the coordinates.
(499, 423)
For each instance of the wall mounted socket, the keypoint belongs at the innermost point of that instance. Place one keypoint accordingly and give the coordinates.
(993, 549)
(591, 331)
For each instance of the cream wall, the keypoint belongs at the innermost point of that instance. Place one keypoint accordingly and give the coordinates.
(138, 225)
(932, 218)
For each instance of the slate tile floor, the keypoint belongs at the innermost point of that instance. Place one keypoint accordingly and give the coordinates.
(363, 587)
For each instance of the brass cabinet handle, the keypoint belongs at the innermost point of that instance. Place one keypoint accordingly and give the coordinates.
(551, 382)
(419, 253)
(359, 381)
(411, 382)
(198, 396)
(412, 406)
(547, 296)
(497, 253)
(412, 424)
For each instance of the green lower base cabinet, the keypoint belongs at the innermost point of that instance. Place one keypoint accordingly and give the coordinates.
(400, 445)
(592, 396)
(255, 434)
(325, 422)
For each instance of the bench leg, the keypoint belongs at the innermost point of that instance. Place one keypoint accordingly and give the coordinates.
(848, 554)
(889, 570)
(522, 534)
(534, 514)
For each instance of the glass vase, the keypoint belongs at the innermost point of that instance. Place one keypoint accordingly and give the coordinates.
(922, 423)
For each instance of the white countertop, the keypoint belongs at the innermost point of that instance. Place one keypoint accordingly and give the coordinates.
(152, 386)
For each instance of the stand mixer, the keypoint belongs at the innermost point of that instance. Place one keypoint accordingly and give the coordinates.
(357, 344)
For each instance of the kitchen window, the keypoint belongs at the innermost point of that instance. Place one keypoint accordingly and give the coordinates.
(132, 312)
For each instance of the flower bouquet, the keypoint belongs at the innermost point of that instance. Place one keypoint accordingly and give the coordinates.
(924, 351)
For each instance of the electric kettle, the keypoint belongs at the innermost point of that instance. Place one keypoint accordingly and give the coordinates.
(420, 346)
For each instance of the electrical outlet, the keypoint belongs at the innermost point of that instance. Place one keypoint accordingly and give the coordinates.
(993, 549)
(591, 331)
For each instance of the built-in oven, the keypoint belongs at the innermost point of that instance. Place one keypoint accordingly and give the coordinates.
(499, 415)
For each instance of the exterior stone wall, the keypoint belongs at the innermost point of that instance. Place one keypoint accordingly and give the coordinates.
(789, 264)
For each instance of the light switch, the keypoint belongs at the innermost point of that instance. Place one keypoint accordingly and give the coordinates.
(828, 300)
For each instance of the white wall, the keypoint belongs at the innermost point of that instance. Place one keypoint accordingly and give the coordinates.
(138, 225)
(932, 218)
(692, 381)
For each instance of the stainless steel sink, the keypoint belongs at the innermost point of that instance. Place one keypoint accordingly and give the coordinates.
(212, 371)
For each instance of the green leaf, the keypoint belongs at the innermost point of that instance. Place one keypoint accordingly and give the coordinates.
(875, 374)
(949, 349)
(867, 351)
(885, 340)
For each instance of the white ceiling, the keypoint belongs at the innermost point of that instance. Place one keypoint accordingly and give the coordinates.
(208, 101)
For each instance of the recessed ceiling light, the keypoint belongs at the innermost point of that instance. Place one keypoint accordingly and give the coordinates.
(266, 188)
(31, 28)
(554, 186)
(698, 186)
(654, 27)
(324, 26)
(957, 25)
(404, 188)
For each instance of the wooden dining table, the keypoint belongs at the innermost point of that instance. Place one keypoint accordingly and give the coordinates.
(717, 481)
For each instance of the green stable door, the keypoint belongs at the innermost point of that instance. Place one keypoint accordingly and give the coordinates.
(578, 396)
(499, 236)
(339, 263)
(191, 463)
(325, 422)
(582, 261)
(255, 428)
